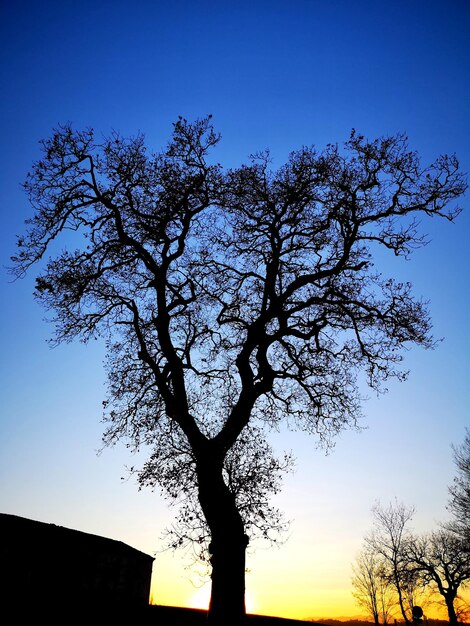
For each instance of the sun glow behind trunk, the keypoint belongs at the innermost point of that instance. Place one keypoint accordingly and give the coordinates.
(201, 598)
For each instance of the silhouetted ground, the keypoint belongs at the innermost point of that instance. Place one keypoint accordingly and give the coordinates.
(357, 622)
(173, 616)
(74, 613)
(155, 615)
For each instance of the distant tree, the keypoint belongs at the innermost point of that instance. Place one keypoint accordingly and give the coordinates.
(371, 587)
(443, 561)
(230, 299)
(459, 504)
(389, 540)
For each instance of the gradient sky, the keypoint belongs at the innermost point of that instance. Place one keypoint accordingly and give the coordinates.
(274, 74)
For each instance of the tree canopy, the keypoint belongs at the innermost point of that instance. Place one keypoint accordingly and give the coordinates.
(231, 300)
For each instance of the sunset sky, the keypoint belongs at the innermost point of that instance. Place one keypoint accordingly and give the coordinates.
(277, 74)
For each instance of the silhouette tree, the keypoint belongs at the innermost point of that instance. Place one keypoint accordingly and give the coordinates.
(390, 539)
(371, 585)
(230, 298)
(442, 560)
(459, 503)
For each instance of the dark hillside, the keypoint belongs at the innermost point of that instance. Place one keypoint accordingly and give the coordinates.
(357, 622)
(172, 616)
(69, 613)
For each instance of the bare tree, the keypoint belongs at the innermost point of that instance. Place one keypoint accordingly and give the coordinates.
(459, 504)
(230, 298)
(371, 586)
(389, 539)
(443, 561)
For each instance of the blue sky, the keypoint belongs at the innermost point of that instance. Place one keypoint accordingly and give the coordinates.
(273, 74)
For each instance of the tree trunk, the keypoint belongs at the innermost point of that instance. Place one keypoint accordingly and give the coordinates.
(227, 548)
(227, 604)
(400, 598)
(451, 610)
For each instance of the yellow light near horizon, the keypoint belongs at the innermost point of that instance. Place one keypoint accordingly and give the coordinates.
(201, 598)
(282, 582)
(306, 604)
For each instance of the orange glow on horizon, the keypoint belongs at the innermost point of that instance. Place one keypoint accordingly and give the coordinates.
(273, 589)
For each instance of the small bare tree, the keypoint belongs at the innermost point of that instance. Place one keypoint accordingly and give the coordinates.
(389, 540)
(459, 503)
(371, 586)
